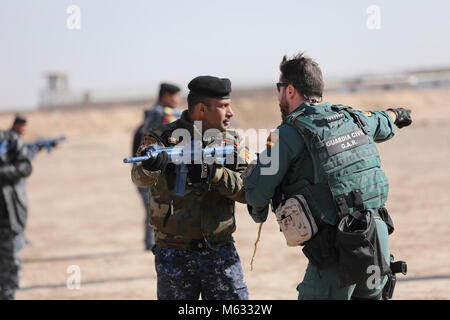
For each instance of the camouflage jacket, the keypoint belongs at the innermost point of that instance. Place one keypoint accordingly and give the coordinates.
(207, 209)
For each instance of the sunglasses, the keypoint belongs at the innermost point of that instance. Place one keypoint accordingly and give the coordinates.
(281, 84)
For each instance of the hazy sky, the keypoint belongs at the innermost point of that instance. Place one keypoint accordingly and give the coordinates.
(141, 42)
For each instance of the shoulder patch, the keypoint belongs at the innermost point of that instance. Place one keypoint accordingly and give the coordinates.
(368, 113)
(226, 142)
(244, 155)
(272, 139)
(147, 140)
(172, 140)
(229, 139)
(169, 115)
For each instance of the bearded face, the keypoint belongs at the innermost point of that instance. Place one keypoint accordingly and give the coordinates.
(282, 100)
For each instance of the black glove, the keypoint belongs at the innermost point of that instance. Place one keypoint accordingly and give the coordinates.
(195, 172)
(155, 164)
(403, 117)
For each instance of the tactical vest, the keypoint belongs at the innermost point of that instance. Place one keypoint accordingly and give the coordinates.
(346, 174)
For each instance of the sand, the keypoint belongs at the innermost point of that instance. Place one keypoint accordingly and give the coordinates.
(84, 210)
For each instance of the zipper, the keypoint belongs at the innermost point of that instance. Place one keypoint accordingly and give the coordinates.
(168, 214)
(306, 212)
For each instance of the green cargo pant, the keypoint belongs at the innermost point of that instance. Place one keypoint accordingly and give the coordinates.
(325, 285)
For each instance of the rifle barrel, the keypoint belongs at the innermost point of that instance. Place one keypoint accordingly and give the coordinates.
(135, 159)
(176, 153)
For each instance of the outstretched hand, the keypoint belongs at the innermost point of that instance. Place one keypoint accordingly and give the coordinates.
(402, 117)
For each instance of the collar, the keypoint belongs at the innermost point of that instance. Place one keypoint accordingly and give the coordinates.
(309, 108)
(186, 123)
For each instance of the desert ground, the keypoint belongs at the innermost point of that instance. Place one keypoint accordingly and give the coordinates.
(84, 210)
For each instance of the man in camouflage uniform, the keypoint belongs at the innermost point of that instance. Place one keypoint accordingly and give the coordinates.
(163, 112)
(14, 166)
(194, 253)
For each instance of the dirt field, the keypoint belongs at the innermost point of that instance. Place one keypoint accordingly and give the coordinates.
(85, 211)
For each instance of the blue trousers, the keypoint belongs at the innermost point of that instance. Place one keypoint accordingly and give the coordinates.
(149, 237)
(185, 275)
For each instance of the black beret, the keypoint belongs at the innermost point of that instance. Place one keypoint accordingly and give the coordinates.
(211, 87)
(167, 87)
(20, 119)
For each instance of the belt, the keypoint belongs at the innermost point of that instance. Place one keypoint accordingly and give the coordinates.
(197, 244)
(201, 244)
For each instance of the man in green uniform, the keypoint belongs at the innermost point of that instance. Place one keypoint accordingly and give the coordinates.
(194, 252)
(327, 157)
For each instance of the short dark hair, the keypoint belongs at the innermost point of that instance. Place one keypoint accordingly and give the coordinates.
(304, 74)
(167, 88)
(19, 120)
(194, 99)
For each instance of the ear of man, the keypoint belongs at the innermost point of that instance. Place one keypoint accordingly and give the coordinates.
(291, 91)
(197, 112)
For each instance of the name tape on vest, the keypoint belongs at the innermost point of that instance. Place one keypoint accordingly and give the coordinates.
(346, 142)
(334, 118)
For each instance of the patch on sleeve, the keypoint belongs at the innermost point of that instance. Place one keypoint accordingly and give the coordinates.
(229, 141)
(368, 113)
(243, 154)
(169, 115)
(242, 159)
(172, 140)
(272, 139)
(146, 142)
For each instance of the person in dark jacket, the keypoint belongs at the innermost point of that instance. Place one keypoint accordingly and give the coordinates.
(163, 112)
(14, 166)
(19, 126)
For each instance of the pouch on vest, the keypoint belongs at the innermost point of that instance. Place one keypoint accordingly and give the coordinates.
(320, 250)
(384, 214)
(358, 248)
(296, 221)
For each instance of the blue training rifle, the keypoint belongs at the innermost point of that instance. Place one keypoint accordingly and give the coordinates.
(3, 147)
(47, 143)
(181, 154)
